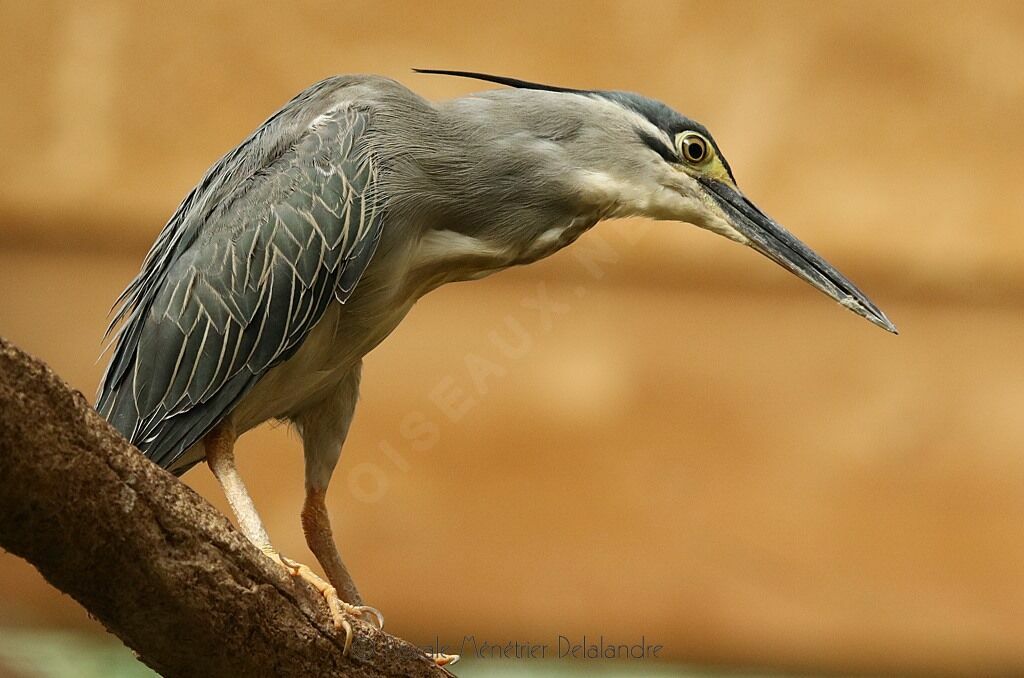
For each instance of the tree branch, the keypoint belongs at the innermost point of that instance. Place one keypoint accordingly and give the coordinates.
(151, 559)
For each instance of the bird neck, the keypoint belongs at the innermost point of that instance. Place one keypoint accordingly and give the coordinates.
(485, 175)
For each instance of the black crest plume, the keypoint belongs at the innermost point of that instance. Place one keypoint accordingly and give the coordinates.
(502, 80)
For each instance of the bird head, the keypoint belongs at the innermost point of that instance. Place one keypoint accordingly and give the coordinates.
(631, 155)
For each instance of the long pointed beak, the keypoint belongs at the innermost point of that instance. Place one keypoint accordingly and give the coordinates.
(779, 245)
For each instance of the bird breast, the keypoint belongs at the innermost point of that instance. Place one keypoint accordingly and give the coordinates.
(449, 256)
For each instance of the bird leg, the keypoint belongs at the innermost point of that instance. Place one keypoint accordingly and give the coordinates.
(219, 444)
(220, 456)
(317, 525)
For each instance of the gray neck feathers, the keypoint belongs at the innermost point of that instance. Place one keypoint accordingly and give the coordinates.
(493, 165)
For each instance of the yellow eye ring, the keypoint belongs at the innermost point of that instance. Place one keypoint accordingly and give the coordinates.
(694, 148)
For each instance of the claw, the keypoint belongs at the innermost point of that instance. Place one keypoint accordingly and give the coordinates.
(362, 610)
(287, 563)
(347, 627)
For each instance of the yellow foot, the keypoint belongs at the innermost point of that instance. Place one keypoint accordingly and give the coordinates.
(337, 607)
(445, 659)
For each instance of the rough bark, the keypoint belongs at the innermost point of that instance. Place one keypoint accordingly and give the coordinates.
(154, 562)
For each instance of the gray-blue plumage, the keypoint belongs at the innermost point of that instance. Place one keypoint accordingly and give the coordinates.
(241, 273)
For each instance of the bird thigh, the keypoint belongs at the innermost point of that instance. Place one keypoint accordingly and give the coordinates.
(324, 427)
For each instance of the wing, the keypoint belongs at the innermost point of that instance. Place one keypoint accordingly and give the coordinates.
(241, 274)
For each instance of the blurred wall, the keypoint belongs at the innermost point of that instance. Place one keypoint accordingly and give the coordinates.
(691, 445)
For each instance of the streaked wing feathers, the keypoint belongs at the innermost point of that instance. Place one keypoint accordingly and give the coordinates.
(224, 297)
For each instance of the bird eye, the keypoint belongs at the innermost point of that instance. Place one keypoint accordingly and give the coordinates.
(693, 147)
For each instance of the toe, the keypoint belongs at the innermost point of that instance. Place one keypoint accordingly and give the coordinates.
(337, 607)
(445, 659)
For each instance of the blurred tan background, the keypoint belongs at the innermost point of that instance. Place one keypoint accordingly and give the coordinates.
(696, 447)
